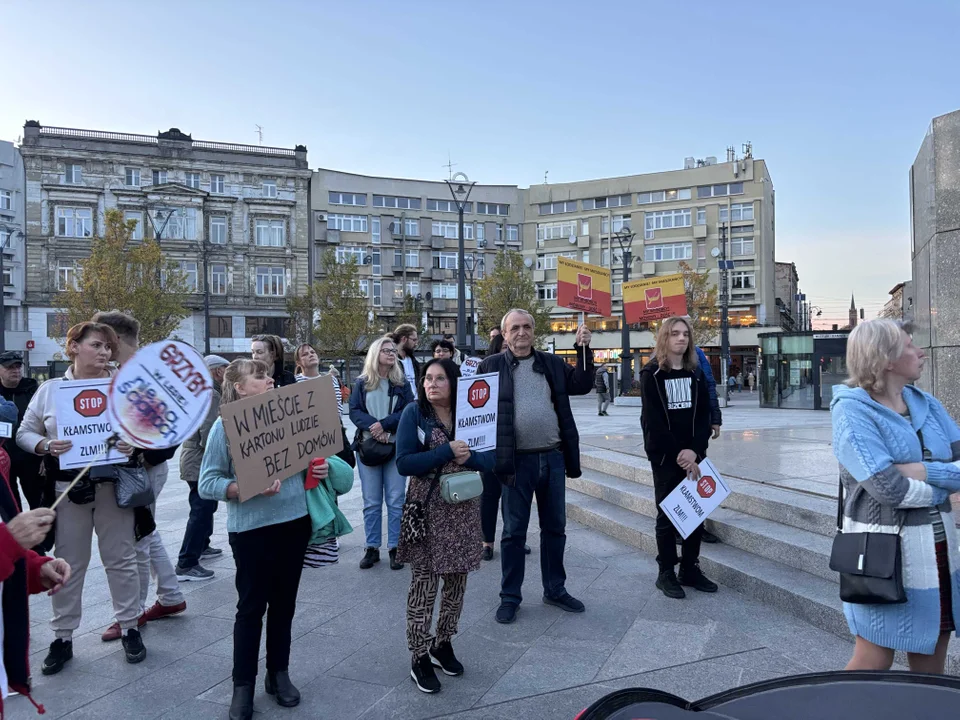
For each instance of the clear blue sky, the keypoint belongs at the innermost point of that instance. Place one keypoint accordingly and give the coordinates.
(835, 96)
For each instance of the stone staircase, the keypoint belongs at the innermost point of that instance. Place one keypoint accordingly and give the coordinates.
(775, 542)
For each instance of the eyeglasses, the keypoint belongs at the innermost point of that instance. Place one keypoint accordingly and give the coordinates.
(389, 351)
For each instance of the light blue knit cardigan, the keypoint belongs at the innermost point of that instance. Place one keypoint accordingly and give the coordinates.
(868, 439)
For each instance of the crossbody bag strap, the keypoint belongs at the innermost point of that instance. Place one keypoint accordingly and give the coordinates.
(840, 505)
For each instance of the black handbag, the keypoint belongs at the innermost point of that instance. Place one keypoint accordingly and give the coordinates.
(372, 452)
(870, 564)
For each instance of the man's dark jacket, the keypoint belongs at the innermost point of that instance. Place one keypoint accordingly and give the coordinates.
(564, 380)
(21, 396)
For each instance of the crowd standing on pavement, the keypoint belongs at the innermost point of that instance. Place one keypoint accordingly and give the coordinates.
(895, 445)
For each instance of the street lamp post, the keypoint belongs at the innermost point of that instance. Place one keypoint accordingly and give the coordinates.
(461, 194)
(624, 238)
(473, 264)
(724, 313)
(206, 299)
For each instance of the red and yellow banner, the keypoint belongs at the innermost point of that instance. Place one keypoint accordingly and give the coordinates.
(583, 287)
(654, 298)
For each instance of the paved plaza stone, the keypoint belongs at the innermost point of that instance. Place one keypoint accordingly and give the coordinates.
(349, 654)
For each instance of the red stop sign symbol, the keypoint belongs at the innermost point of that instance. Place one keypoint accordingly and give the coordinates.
(90, 403)
(478, 394)
(707, 486)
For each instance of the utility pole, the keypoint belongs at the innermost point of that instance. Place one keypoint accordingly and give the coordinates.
(724, 312)
(206, 298)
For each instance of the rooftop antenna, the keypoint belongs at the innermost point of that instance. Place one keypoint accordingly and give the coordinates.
(260, 133)
(546, 173)
(449, 166)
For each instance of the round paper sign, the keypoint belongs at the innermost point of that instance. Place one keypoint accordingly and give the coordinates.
(161, 395)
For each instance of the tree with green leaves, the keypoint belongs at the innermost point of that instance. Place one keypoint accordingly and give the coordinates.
(702, 303)
(343, 328)
(507, 286)
(134, 277)
(411, 314)
(302, 310)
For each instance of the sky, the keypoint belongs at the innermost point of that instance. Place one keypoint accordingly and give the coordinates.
(835, 96)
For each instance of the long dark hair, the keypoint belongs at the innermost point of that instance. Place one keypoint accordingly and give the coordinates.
(453, 374)
(496, 344)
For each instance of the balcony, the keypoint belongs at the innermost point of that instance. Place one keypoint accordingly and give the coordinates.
(438, 243)
(409, 268)
(333, 236)
(700, 232)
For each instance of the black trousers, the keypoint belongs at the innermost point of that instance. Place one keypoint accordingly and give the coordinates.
(36, 488)
(665, 481)
(489, 506)
(269, 562)
(196, 538)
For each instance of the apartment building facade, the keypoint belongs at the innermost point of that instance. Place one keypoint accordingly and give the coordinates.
(241, 210)
(12, 233)
(404, 236)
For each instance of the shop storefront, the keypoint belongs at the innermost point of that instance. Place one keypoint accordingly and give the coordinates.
(798, 370)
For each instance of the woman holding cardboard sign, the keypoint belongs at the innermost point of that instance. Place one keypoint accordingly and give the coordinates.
(379, 396)
(90, 505)
(269, 535)
(447, 543)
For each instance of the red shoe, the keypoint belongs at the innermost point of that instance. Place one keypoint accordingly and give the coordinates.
(114, 633)
(158, 611)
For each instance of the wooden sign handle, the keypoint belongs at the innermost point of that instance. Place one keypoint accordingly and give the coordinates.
(111, 443)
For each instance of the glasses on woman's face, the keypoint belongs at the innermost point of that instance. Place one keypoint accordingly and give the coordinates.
(388, 351)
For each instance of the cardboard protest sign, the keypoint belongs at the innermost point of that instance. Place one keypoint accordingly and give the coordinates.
(693, 501)
(275, 435)
(470, 366)
(161, 395)
(583, 287)
(477, 399)
(655, 298)
(82, 418)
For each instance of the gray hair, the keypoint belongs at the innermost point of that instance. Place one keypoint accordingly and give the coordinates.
(872, 346)
(511, 311)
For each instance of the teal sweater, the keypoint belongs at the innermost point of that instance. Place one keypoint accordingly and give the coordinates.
(216, 473)
(327, 520)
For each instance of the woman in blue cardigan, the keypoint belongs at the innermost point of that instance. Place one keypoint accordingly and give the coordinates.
(268, 535)
(452, 547)
(896, 445)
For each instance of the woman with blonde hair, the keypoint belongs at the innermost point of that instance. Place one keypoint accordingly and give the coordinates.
(376, 403)
(676, 431)
(896, 445)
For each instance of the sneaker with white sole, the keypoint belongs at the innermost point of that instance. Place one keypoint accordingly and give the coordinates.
(197, 572)
(423, 674)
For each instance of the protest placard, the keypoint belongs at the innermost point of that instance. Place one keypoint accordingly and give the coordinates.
(6, 430)
(275, 435)
(693, 500)
(82, 418)
(470, 366)
(477, 399)
(655, 298)
(583, 287)
(161, 395)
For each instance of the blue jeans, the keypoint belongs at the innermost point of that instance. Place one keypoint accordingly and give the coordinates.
(542, 475)
(196, 538)
(377, 484)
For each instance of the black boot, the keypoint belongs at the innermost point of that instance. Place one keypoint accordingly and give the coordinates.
(667, 582)
(370, 556)
(241, 706)
(394, 564)
(278, 684)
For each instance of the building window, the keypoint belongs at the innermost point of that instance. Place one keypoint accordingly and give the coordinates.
(665, 219)
(271, 233)
(270, 281)
(743, 280)
(218, 282)
(73, 174)
(493, 209)
(342, 198)
(513, 233)
(708, 191)
(480, 237)
(74, 222)
(377, 268)
(216, 184)
(607, 202)
(182, 225)
(413, 289)
(616, 289)
(131, 177)
(193, 180)
(347, 223)
(401, 203)
(620, 222)
(701, 255)
(448, 206)
(412, 227)
(547, 262)
(159, 177)
(260, 325)
(346, 253)
(667, 252)
(412, 258)
(221, 327)
(137, 217)
(188, 271)
(365, 288)
(445, 229)
(555, 231)
(375, 230)
(740, 246)
(218, 229)
(556, 208)
(6, 200)
(57, 325)
(547, 292)
(377, 293)
(585, 228)
(269, 189)
(468, 231)
(738, 211)
(701, 216)
(445, 260)
(605, 257)
(66, 276)
(445, 291)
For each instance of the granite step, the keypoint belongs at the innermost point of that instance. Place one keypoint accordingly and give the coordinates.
(801, 510)
(796, 548)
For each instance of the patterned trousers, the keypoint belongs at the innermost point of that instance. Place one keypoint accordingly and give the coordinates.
(423, 594)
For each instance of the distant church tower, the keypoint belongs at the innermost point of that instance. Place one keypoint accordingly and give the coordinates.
(853, 313)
